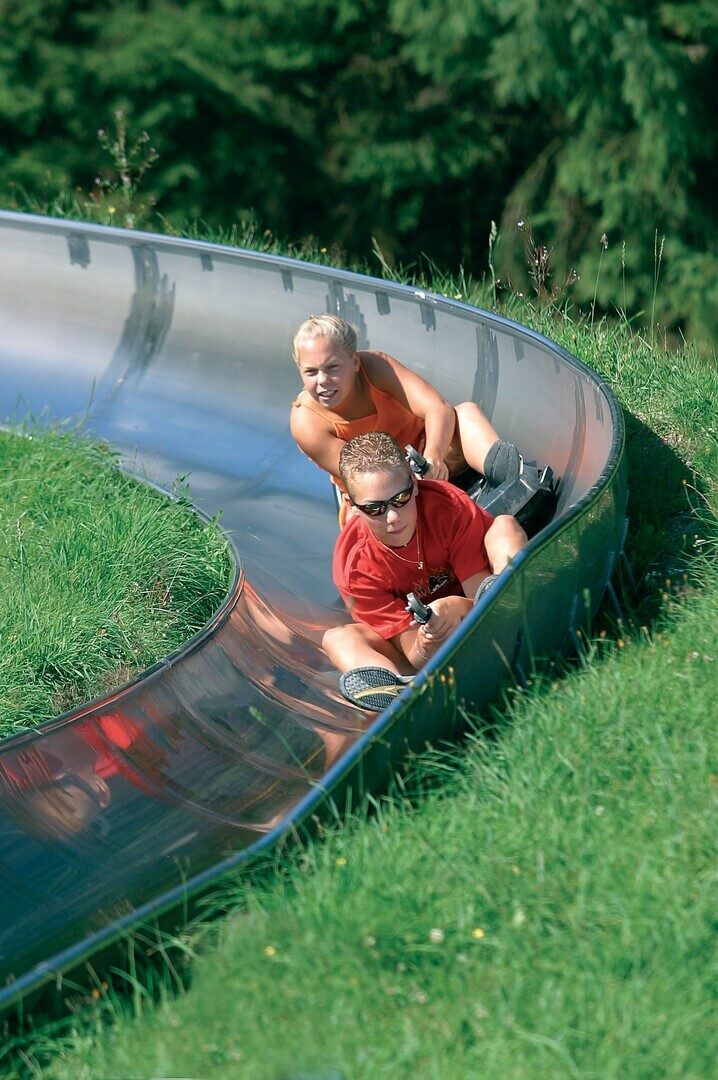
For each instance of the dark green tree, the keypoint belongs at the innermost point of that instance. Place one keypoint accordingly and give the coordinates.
(415, 124)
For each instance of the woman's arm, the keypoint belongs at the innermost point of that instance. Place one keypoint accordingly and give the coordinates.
(420, 397)
(315, 439)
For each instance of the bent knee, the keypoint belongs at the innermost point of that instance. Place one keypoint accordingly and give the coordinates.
(334, 636)
(505, 525)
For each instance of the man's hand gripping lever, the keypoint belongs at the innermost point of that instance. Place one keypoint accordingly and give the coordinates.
(420, 611)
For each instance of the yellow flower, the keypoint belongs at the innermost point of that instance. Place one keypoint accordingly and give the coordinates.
(341, 861)
(270, 950)
(477, 932)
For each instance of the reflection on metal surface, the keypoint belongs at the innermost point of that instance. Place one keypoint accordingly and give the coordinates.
(179, 354)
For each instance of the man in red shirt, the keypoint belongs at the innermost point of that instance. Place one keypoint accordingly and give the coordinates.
(404, 536)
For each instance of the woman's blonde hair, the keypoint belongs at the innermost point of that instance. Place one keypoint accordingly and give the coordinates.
(321, 326)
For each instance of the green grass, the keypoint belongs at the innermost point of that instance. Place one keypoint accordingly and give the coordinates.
(545, 909)
(100, 576)
(539, 902)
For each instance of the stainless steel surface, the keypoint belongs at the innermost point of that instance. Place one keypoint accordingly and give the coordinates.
(179, 354)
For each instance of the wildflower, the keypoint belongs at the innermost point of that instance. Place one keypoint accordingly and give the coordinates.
(370, 941)
(520, 224)
(270, 950)
(341, 861)
(604, 241)
(477, 933)
(436, 935)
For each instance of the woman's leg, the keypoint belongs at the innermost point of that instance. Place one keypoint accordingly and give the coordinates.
(473, 438)
(476, 443)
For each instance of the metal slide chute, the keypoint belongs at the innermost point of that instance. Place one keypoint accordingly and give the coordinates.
(178, 353)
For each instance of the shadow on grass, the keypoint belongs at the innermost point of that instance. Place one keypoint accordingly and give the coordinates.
(670, 520)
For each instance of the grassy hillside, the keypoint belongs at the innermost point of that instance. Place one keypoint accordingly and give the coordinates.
(539, 902)
(100, 576)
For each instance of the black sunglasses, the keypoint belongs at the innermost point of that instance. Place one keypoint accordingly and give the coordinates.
(378, 509)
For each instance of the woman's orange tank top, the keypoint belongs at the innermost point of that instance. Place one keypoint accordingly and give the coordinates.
(389, 415)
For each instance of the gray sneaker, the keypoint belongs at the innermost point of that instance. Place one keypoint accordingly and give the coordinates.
(372, 688)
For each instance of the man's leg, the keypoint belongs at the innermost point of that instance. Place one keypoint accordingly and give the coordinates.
(504, 539)
(355, 645)
(374, 672)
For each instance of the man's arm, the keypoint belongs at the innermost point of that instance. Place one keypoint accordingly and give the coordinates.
(472, 583)
(419, 643)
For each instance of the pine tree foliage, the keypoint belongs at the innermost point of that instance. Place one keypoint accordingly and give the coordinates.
(415, 124)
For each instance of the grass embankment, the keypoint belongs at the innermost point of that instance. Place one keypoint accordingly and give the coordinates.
(543, 904)
(100, 576)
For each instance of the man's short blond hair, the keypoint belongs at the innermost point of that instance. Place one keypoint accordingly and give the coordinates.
(321, 326)
(375, 452)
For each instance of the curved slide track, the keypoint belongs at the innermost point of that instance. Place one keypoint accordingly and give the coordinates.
(178, 353)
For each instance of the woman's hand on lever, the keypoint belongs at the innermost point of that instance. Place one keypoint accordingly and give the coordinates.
(429, 466)
(437, 469)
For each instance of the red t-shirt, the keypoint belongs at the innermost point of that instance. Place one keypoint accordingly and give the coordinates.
(374, 580)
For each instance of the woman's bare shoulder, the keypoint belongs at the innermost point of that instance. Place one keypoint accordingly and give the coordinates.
(381, 368)
(306, 423)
